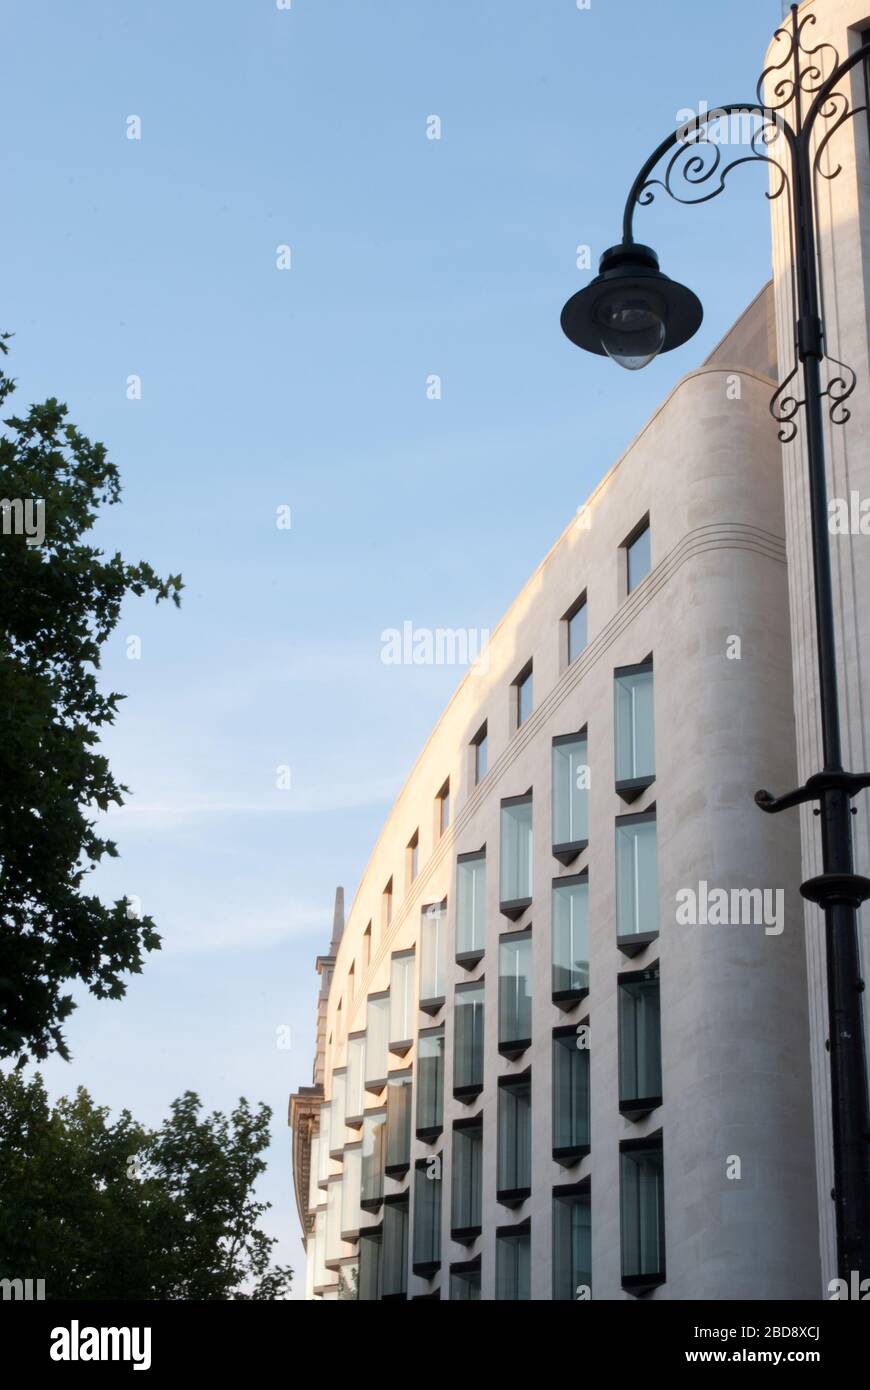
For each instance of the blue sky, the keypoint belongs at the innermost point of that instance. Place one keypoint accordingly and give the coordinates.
(306, 388)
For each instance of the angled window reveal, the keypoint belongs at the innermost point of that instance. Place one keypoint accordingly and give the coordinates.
(640, 1043)
(637, 908)
(576, 628)
(427, 1216)
(402, 1010)
(355, 1094)
(570, 795)
(370, 1250)
(513, 1262)
(433, 961)
(514, 1164)
(372, 1183)
(480, 753)
(642, 1204)
(571, 1138)
(466, 1198)
(570, 937)
(523, 695)
(394, 1277)
(351, 1191)
(465, 1281)
(516, 855)
(572, 1242)
(377, 1040)
(468, 1020)
(430, 1083)
(638, 555)
(397, 1153)
(470, 908)
(443, 808)
(514, 993)
(634, 729)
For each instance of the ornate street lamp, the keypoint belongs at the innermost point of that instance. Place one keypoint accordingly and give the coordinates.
(631, 312)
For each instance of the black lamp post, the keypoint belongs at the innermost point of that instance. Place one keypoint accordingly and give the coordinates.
(631, 312)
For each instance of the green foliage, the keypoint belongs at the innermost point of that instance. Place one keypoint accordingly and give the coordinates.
(110, 1210)
(59, 602)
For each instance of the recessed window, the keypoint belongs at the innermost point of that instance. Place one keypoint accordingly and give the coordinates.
(513, 1262)
(433, 972)
(523, 695)
(355, 1098)
(572, 1243)
(634, 729)
(372, 1185)
(370, 1267)
(427, 1217)
(413, 856)
(576, 628)
(337, 1112)
(570, 795)
(514, 993)
(642, 1191)
(570, 936)
(324, 1166)
(470, 908)
(351, 984)
(388, 904)
(443, 807)
(351, 1192)
(570, 1094)
(395, 1248)
(397, 1157)
(638, 556)
(430, 1083)
(465, 1282)
(637, 918)
(514, 1162)
(468, 1019)
(515, 868)
(377, 1040)
(467, 1181)
(402, 1002)
(334, 1250)
(640, 1043)
(480, 751)
(367, 947)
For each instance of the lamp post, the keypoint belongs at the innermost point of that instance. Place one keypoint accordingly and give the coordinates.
(631, 311)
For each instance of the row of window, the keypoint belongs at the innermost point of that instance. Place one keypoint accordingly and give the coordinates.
(384, 1252)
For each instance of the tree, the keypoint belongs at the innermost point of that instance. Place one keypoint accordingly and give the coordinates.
(59, 602)
(104, 1209)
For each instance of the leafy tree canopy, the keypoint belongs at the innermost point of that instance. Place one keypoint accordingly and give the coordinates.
(59, 602)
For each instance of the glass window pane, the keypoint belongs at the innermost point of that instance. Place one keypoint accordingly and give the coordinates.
(640, 1048)
(337, 1111)
(572, 1245)
(370, 1268)
(314, 1173)
(634, 726)
(470, 903)
(481, 754)
(395, 1249)
(636, 878)
(432, 951)
(512, 1267)
(334, 1245)
(351, 1190)
(465, 1287)
(516, 850)
(427, 1213)
(355, 1098)
(322, 1275)
(577, 632)
(524, 699)
(373, 1157)
(467, 1178)
(398, 1150)
(514, 1137)
(444, 810)
(570, 782)
(570, 1092)
(643, 1212)
(324, 1165)
(468, 1037)
(570, 933)
(402, 999)
(514, 989)
(377, 1041)
(430, 1080)
(639, 559)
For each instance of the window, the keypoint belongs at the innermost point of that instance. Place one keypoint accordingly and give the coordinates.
(413, 856)
(634, 729)
(480, 750)
(351, 1192)
(570, 1094)
(470, 907)
(516, 855)
(314, 1173)
(523, 695)
(388, 904)
(394, 1278)
(443, 808)
(377, 1040)
(572, 1242)
(570, 795)
(324, 1167)
(334, 1247)
(637, 919)
(514, 1166)
(640, 1043)
(514, 993)
(643, 1213)
(576, 628)
(427, 1216)
(370, 1266)
(638, 556)
(465, 1281)
(372, 1186)
(570, 935)
(337, 1112)
(402, 1011)
(432, 956)
(397, 1154)
(513, 1262)
(367, 947)
(466, 1204)
(468, 1040)
(351, 985)
(356, 1064)
(430, 1082)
